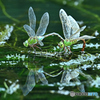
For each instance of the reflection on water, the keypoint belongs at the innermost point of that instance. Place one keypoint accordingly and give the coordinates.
(35, 75)
(10, 89)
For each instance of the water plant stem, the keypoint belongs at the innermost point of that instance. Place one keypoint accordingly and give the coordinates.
(6, 14)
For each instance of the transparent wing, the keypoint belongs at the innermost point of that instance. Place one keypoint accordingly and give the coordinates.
(81, 88)
(41, 43)
(65, 23)
(82, 28)
(86, 37)
(43, 24)
(25, 90)
(30, 83)
(63, 77)
(29, 30)
(32, 18)
(31, 80)
(77, 34)
(75, 27)
(42, 76)
(37, 78)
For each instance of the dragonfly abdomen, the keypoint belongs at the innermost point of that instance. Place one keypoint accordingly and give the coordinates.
(69, 42)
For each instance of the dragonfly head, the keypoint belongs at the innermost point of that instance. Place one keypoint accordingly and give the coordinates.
(25, 43)
(61, 44)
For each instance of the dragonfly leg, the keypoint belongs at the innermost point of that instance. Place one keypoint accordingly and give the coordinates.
(69, 49)
(33, 48)
(37, 46)
(64, 49)
(83, 44)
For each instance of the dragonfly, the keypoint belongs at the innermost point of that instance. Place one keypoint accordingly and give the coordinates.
(71, 31)
(33, 77)
(35, 38)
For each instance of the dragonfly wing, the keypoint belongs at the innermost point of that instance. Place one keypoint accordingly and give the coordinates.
(66, 77)
(32, 18)
(77, 34)
(37, 78)
(75, 27)
(30, 83)
(82, 28)
(41, 43)
(42, 76)
(29, 30)
(25, 90)
(65, 23)
(86, 37)
(63, 77)
(31, 80)
(43, 24)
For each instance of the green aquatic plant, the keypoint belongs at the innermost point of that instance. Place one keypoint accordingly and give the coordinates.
(16, 57)
(71, 31)
(6, 14)
(13, 59)
(5, 35)
(10, 89)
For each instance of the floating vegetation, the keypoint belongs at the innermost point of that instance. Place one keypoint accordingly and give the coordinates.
(13, 59)
(96, 33)
(5, 35)
(63, 92)
(14, 86)
(96, 82)
(83, 61)
(16, 57)
(90, 45)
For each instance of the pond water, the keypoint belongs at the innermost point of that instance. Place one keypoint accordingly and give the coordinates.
(49, 73)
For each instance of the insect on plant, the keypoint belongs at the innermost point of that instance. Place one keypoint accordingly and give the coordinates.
(37, 38)
(71, 31)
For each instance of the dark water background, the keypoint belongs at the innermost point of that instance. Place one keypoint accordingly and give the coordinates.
(15, 12)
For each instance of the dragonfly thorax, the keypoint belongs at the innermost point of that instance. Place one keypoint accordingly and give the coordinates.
(32, 40)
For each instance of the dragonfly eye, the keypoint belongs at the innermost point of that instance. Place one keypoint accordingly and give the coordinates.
(61, 44)
(25, 43)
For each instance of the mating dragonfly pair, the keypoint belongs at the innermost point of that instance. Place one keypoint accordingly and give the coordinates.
(71, 30)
